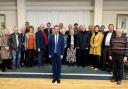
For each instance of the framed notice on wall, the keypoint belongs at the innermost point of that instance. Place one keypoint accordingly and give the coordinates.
(2, 23)
(122, 22)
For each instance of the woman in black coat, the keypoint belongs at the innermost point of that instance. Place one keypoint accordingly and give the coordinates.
(71, 47)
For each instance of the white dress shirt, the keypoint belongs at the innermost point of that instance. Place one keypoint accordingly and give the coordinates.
(108, 38)
(17, 39)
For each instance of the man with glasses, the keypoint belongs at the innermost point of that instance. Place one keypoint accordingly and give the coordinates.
(42, 41)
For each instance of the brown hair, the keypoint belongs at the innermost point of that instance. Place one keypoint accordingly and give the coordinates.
(110, 25)
(56, 26)
(31, 27)
(97, 26)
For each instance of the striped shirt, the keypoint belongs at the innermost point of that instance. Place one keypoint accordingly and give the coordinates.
(119, 45)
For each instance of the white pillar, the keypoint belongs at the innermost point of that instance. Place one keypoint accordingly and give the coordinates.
(21, 13)
(98, 12)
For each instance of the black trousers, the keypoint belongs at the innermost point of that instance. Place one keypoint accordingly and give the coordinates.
(95, 61)
(6, 63)
(30, 57)
(77, 56)
(117, 66)
(64, 57)
(105, 62)
(22, 54)
(47, 59)
(82, 57)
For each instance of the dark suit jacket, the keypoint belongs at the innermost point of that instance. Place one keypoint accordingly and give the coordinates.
(37, 38)
(48, 31)
(40, 40)
(69, 41)
(105, 35)
(60, 46)
(83, 39)
(22, 36)
(12, 41)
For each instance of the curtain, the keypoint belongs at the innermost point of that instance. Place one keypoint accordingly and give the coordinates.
(55, 17)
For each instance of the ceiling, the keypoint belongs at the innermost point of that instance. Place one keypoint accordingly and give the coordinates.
(55, 0)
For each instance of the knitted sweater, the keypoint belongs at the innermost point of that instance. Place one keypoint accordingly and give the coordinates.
(119, 45)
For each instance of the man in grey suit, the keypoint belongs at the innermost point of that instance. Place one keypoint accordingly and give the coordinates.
(14, 42)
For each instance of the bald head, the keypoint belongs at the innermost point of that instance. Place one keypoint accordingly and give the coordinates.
(119, 32)
(23, 30)
(15, 29)
(91, 28)
(42, 27)
(83, 28)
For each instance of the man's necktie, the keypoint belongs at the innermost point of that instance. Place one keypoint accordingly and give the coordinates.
(56, 42)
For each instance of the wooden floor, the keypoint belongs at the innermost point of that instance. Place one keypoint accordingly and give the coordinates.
(33, 83)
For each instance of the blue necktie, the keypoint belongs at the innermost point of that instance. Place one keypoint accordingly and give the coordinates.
(56, 43)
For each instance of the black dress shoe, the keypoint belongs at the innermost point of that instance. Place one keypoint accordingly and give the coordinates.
(54, 80)
(103, 69)
(113, 80)
(58, 80)
(9, 67)
(3, 70)
(118, 82)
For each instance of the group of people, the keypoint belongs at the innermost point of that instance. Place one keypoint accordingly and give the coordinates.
(77, 45)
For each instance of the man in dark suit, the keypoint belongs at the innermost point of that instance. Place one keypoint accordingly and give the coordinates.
(108, 35)
(82, 44)
(56, 51)
(22, 36)
(14, 42)
(42, 41)
(27, 27)
(48, 31)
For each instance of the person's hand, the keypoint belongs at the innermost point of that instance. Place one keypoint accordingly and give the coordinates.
(110, 57)
(25, 48)
(7, 48)
(38, 49)
(92, 46)
(125, 59)
(65, 46)
(49, 56)
(61, 56)
(68, 49)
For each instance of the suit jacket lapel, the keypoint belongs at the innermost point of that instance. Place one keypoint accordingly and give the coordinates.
(14, 35)
(58, 40)
(53, 38)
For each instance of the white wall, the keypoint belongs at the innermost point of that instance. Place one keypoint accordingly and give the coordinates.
(55, 17)
(36, 9)
(68, 12)
(111, 9)
(111, 16)
(9, 9)
(11, 19)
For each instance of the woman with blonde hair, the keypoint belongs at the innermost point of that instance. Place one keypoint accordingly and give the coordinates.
(95, 49)
(71, 46)
(5, 50)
